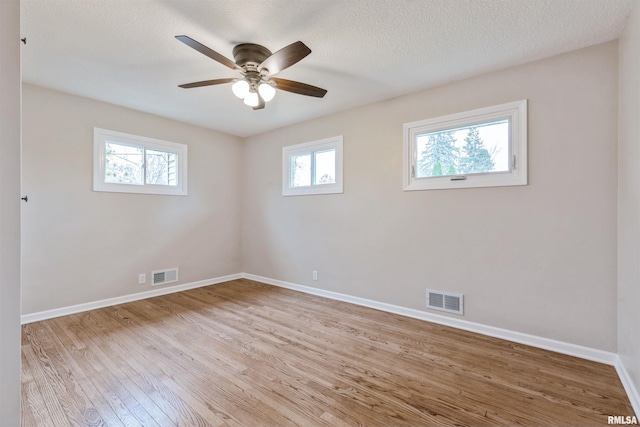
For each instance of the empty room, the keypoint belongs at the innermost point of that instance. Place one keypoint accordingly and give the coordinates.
(319, 213)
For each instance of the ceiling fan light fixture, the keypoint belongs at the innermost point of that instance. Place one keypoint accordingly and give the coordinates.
(257, 65)
(241, 89)
(267, 92)
(251, 99)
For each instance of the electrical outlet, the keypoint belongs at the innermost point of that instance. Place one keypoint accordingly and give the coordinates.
(142, 278)
(315, 275)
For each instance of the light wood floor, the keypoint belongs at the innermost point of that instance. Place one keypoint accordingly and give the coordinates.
(248, 354)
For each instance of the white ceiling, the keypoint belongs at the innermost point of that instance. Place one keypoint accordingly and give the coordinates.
(124, 51)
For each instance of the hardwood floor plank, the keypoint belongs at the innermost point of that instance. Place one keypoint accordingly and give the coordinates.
(244, 353)
(150, 361)
(33, 405)
(106, 381)
(104, 376)
(75, 396)
(307, 350)
(136, 374)
(47, 386)
(230, 388)
(281, 381)
(253, 348)
(121, 371)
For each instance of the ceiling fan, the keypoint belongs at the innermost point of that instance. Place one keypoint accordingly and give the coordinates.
(258, 66)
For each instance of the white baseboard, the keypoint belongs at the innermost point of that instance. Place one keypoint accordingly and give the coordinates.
(519, 337)
(63, 311)
(629, 387)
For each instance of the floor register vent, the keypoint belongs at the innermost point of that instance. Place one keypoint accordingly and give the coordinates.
(162, 277)
(451, 303)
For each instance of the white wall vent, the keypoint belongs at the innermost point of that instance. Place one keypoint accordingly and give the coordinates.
(162, 277)
(444, 301)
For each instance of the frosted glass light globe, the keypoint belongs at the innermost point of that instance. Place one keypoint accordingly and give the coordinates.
(251, 99)
(267, 92)
(240, 88)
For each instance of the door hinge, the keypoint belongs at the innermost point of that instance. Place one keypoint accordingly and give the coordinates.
(514, 161)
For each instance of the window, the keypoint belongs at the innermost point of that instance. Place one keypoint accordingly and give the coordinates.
(136, 164)
(479, 148)
(312, 168)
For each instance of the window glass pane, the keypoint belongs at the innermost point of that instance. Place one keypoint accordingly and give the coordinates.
(325, 167)
(161, 167)
(300, 170)
(123, 163)
(468, 150)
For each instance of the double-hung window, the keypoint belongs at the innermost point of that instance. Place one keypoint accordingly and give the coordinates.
(486, 147)
(135, 164)
(312, 167)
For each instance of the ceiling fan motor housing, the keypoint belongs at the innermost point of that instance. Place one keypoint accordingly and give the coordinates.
(249, 55)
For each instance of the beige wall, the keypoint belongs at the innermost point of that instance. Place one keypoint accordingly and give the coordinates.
(539, 259)
(10, 213)
(629, 200)
(81, 246)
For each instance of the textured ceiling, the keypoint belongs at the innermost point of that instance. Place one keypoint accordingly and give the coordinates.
(124, 51)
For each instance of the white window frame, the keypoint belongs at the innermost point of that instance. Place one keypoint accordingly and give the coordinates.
(515, 112)
(102, 136)
(311, 147)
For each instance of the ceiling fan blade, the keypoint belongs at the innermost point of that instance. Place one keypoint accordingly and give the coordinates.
(285, 57)
(209, 52)
(206, 83)
(299, 88)
(261, 103)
